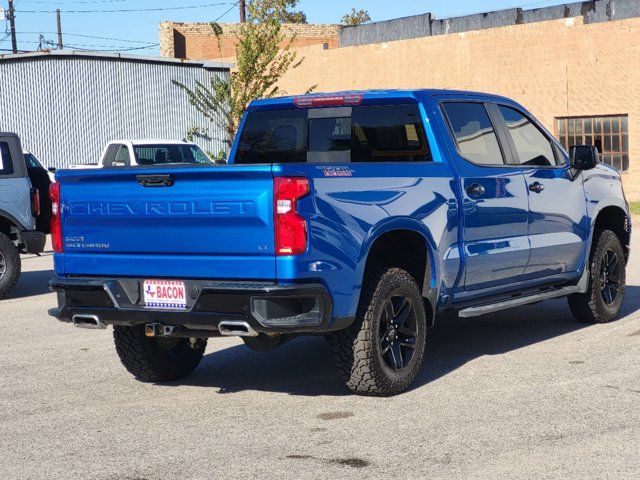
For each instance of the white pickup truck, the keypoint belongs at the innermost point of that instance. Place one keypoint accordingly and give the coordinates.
(133, 153)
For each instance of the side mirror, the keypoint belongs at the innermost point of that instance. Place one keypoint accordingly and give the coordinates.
(584, 157)
(52, 169)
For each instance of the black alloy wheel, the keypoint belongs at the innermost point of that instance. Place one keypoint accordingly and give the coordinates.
(398, 332)
(610, 284)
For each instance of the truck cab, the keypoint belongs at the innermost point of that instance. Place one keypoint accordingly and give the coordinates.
(356, 215)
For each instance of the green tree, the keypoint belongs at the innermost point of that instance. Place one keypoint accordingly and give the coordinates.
(356, 17)
(263, 56)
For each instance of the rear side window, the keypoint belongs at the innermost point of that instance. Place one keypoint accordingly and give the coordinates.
(388, 134)
(532, 146)
(391, 133)
(474, 133)
(6, 164)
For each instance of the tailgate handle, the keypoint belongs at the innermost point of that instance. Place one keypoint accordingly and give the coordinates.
(155, 180)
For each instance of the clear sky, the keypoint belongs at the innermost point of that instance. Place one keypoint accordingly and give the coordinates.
(122, 29)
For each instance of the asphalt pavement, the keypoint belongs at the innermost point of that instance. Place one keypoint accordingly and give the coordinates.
(523, 394)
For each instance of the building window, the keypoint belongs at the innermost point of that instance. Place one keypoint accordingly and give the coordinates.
(609, 133)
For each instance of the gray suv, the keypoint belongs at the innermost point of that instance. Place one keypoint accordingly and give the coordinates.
(21, 204)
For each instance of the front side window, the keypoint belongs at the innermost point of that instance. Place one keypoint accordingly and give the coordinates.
(388, 133)
(110, 154)
(533, 148)
(474, 133)
(123, 159)
(610, 134)
(6, 164)
(32, 161)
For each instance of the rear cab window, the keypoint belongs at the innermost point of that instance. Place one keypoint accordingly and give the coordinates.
(364, 133)
(170, 154)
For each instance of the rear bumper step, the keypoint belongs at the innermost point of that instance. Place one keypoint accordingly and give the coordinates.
(223, 308)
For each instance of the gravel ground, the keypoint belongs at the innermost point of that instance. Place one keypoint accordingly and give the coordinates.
(528, 393)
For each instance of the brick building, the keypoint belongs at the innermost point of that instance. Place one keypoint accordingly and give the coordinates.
(196, 41)
(575, 66)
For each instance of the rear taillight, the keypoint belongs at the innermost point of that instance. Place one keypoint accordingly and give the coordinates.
(56, 225)
(35, 202)
(290, 226)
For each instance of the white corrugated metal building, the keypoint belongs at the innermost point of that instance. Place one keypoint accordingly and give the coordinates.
(66, 105)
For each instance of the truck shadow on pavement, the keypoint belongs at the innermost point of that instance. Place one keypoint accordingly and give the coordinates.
(32, 283)
(305, 365)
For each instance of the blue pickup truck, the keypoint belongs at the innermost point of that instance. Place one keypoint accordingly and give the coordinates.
(354, 215)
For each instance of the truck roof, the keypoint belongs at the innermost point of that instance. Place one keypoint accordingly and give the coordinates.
(371, 96)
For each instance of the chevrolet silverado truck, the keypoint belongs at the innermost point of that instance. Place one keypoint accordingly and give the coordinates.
(21, 191)
(353, 215)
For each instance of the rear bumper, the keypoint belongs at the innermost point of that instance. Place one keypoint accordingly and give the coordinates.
(266, 307)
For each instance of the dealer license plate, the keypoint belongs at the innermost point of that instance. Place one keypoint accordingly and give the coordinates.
(165, 294)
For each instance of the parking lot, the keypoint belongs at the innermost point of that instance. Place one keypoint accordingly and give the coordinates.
(528, 394)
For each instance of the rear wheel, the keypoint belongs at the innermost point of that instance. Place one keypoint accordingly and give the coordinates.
(9, 265)
(602, 301)
(382, 352)
(156, 359)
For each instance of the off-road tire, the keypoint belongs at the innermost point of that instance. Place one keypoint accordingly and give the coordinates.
(357, 349)
(11, 259)
(149, 359)
(590, 307)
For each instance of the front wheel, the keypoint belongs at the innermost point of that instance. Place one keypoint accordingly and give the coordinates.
(156, 359)
(381, 352)
(603, 299)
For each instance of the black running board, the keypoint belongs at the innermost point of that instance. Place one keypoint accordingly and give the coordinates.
(476, 311)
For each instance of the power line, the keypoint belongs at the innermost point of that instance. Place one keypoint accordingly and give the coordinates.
(129, 10)
(115, 49)
(106, 48)
(88, 36)
(232, 7)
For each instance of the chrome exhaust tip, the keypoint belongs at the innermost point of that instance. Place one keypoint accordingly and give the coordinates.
(88, 321)
(236, 329)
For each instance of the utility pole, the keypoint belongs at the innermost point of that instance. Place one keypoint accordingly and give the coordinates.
(243, 11)
(12, 23)
(59, 29)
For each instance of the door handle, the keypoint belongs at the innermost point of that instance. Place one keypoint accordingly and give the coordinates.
(475, 190)
(536, 187)
(155, 180)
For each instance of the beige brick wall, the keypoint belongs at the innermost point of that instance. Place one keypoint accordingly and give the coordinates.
(196, 41)
(555, 68)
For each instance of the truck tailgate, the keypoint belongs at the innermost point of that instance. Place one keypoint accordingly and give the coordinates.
(187, 222)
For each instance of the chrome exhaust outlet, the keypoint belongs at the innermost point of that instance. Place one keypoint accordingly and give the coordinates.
(236, 329)
(88, 321)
